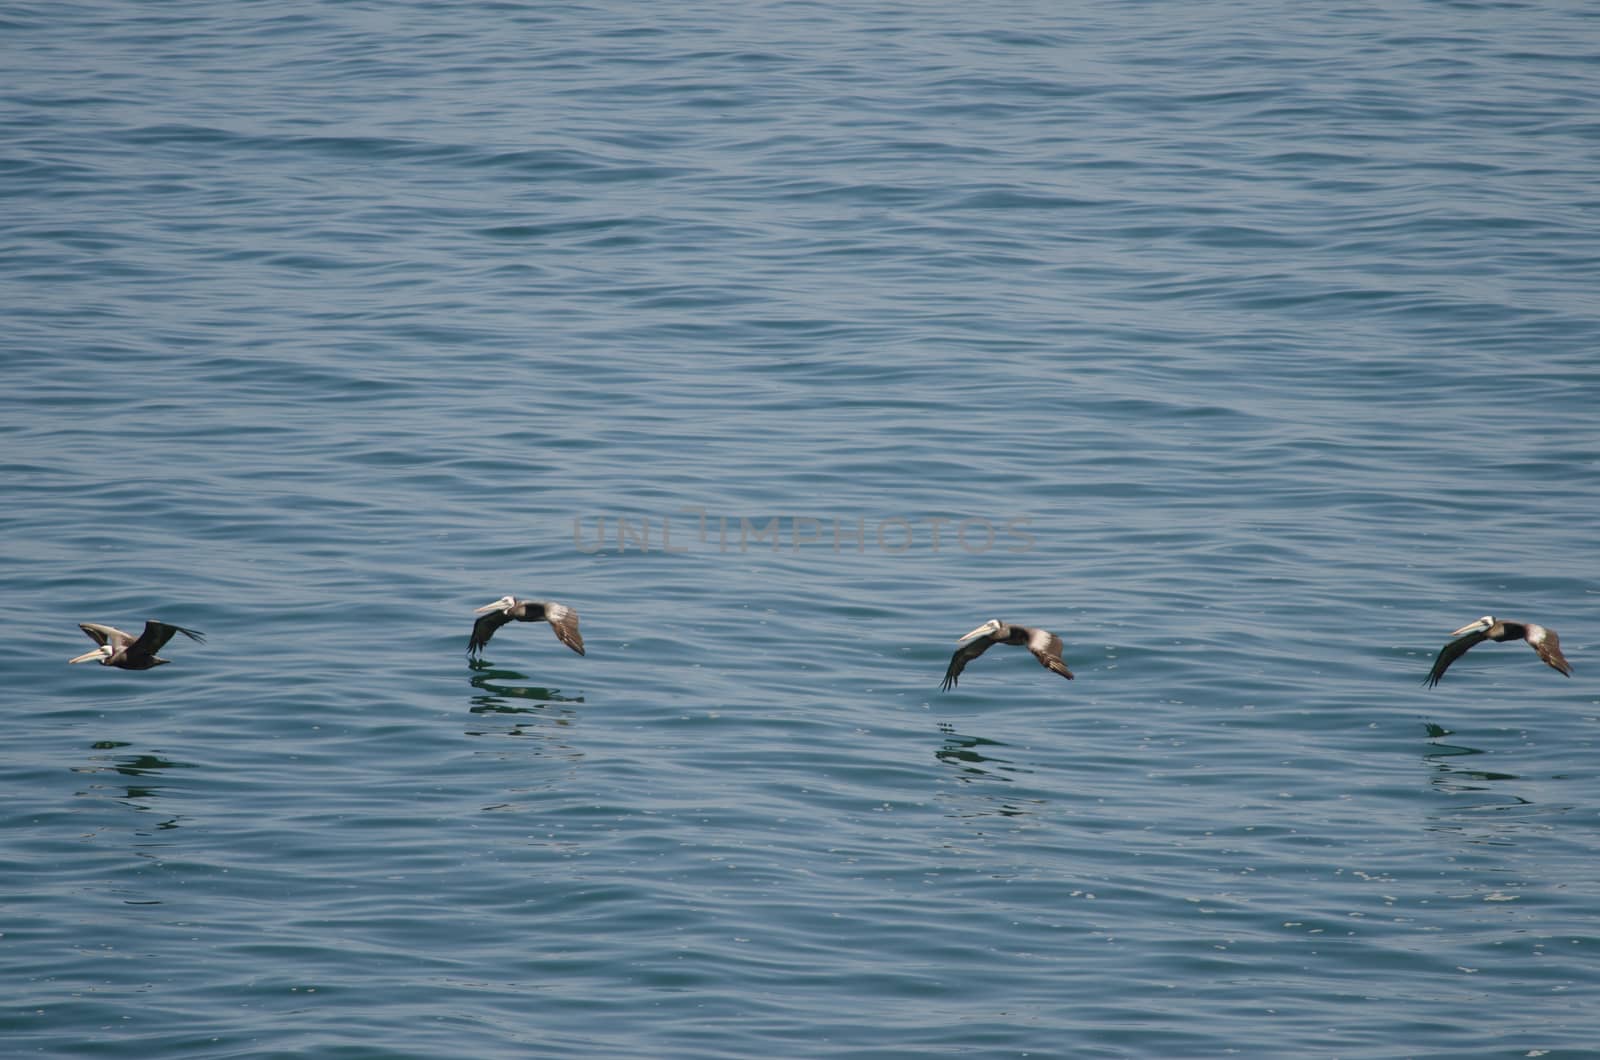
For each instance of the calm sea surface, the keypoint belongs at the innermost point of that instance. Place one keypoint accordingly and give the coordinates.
(1251, 347)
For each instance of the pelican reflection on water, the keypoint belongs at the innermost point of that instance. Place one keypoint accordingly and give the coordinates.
(127, 652)
(494, 691)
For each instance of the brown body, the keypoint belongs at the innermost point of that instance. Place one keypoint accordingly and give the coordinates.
(1544, 641)
(562, 619)
(127, 652)
(1046, 647)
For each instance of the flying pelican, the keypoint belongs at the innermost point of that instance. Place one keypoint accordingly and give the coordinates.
(563, 619)
(1046, 647)
(125, 652)
(1544, 641)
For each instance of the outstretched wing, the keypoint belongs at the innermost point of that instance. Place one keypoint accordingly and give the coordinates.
(964, 654)
(1548, 645)
(157, 634)
(1046, 647)
(1450, 653)
(564, 620)
(484, 628)
(106, 635)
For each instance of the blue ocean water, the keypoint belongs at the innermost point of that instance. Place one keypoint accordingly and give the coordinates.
(1251, 348)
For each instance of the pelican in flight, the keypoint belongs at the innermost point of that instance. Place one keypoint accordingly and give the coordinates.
(1544, 641)
(1046, 647)
(563, 619)
(127, 652)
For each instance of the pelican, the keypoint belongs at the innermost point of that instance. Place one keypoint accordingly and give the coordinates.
(1046, 647)
(126, 652)
(563, 619)
(1544, 641)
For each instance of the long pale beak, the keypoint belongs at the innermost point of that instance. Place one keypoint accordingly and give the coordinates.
(1471, 627)
(497, 605)
(975, 633)
(101, 652)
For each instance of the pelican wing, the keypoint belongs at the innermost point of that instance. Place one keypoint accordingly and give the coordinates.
(1450, 653)
(484, 628)
(1046, 647)
(155, 635)
(106, 635)
(564, 620)
(964, 654)
(1548, 645)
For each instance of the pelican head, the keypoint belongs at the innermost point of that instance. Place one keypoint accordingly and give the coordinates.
(991, 626)
(100, 654)
(505, 603)
(1483, 623)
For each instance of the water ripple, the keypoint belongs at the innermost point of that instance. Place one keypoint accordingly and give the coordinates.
(1250, 355)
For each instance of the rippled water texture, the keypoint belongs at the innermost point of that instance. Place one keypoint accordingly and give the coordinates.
(1251, 348)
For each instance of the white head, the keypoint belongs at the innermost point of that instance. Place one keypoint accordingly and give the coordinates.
(994, 625)
(505, 603)
(1486, 622)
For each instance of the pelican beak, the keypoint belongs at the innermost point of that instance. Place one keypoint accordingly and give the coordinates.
(1472, 627)
(980, 631)
(504, 601)
(98, 653)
